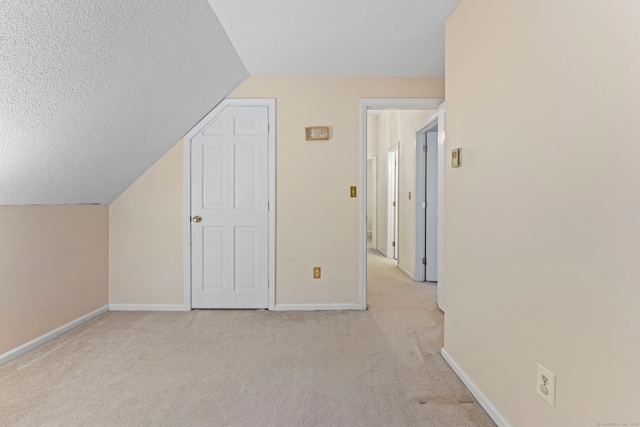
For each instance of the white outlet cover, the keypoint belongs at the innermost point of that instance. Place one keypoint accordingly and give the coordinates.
(546, 390)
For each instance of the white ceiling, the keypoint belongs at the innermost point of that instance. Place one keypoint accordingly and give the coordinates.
(93, 93)
(338, 37)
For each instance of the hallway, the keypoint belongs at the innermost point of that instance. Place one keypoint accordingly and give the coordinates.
(408, 314)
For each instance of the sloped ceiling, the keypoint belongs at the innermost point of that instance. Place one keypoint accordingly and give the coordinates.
(93, 93)
(338, 37)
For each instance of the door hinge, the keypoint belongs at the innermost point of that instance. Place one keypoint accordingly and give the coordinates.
(394, 204)
(268, 206)
(424, 205)
(393, 244)
(425, 148)
(424, 261)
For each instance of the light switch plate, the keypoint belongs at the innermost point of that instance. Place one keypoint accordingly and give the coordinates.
(455, 158)
(316, 272)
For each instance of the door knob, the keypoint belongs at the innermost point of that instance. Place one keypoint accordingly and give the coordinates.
(196, 218)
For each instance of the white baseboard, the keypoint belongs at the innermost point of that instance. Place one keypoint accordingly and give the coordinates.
(41, 340)
(473, 388)
(314, 307)
(148, 307)
(405, 271)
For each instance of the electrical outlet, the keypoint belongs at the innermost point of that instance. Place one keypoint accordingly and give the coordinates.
(546, 385)
(316, 272)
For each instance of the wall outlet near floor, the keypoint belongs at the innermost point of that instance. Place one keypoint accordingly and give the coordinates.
(316, 272)
(546, 385)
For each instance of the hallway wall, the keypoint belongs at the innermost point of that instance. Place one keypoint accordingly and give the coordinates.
(543, 216)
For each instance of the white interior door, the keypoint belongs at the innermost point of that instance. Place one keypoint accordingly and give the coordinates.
(431, 249)
(393, 204)
(229, 210)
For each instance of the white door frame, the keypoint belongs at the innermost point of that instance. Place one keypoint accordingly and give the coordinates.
(271, 104)
(392, 197)
(374, 213)
(421, 141)
(378, 104)
(443, 156)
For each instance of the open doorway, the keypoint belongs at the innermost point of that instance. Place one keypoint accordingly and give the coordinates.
(388, 132)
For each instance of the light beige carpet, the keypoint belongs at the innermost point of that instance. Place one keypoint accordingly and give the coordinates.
(381, 367)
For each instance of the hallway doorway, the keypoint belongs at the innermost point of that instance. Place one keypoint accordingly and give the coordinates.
(388, 132)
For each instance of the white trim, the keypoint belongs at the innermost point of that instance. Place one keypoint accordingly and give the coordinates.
(377, 104)
(420, 212)
(374, 191)
(186, 230)
(491, 410)
(442, 164)
(407, 272)
(149, 307)
(43, 339)
(316, 307)
(392, 197)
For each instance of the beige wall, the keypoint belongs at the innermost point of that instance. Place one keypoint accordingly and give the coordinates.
(543, 217)
(53, 268)
(396, 128)
(317, 221)
(145, 236)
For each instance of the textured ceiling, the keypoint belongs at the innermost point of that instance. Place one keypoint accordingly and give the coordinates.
(93, 93)
(338, 37)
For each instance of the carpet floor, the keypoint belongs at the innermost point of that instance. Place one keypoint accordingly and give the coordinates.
(381, 367)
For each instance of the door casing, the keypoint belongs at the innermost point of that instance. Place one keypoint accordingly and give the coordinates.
(271, 105)
(377, 104)
(392, 204)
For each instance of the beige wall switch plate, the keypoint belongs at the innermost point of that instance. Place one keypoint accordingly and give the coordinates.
(316, 272)
(354, 191)
(455, 158)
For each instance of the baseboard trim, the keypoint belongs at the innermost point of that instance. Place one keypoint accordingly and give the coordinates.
(41, 340)
(316, 307)
(477, 393)
(407, 272)
(148, 307)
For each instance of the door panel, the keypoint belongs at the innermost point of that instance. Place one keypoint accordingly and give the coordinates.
(213, 258)
(230, 194)
(245, 177)
(245, 258)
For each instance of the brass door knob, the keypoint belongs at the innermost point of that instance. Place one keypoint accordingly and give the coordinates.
(196, 218)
